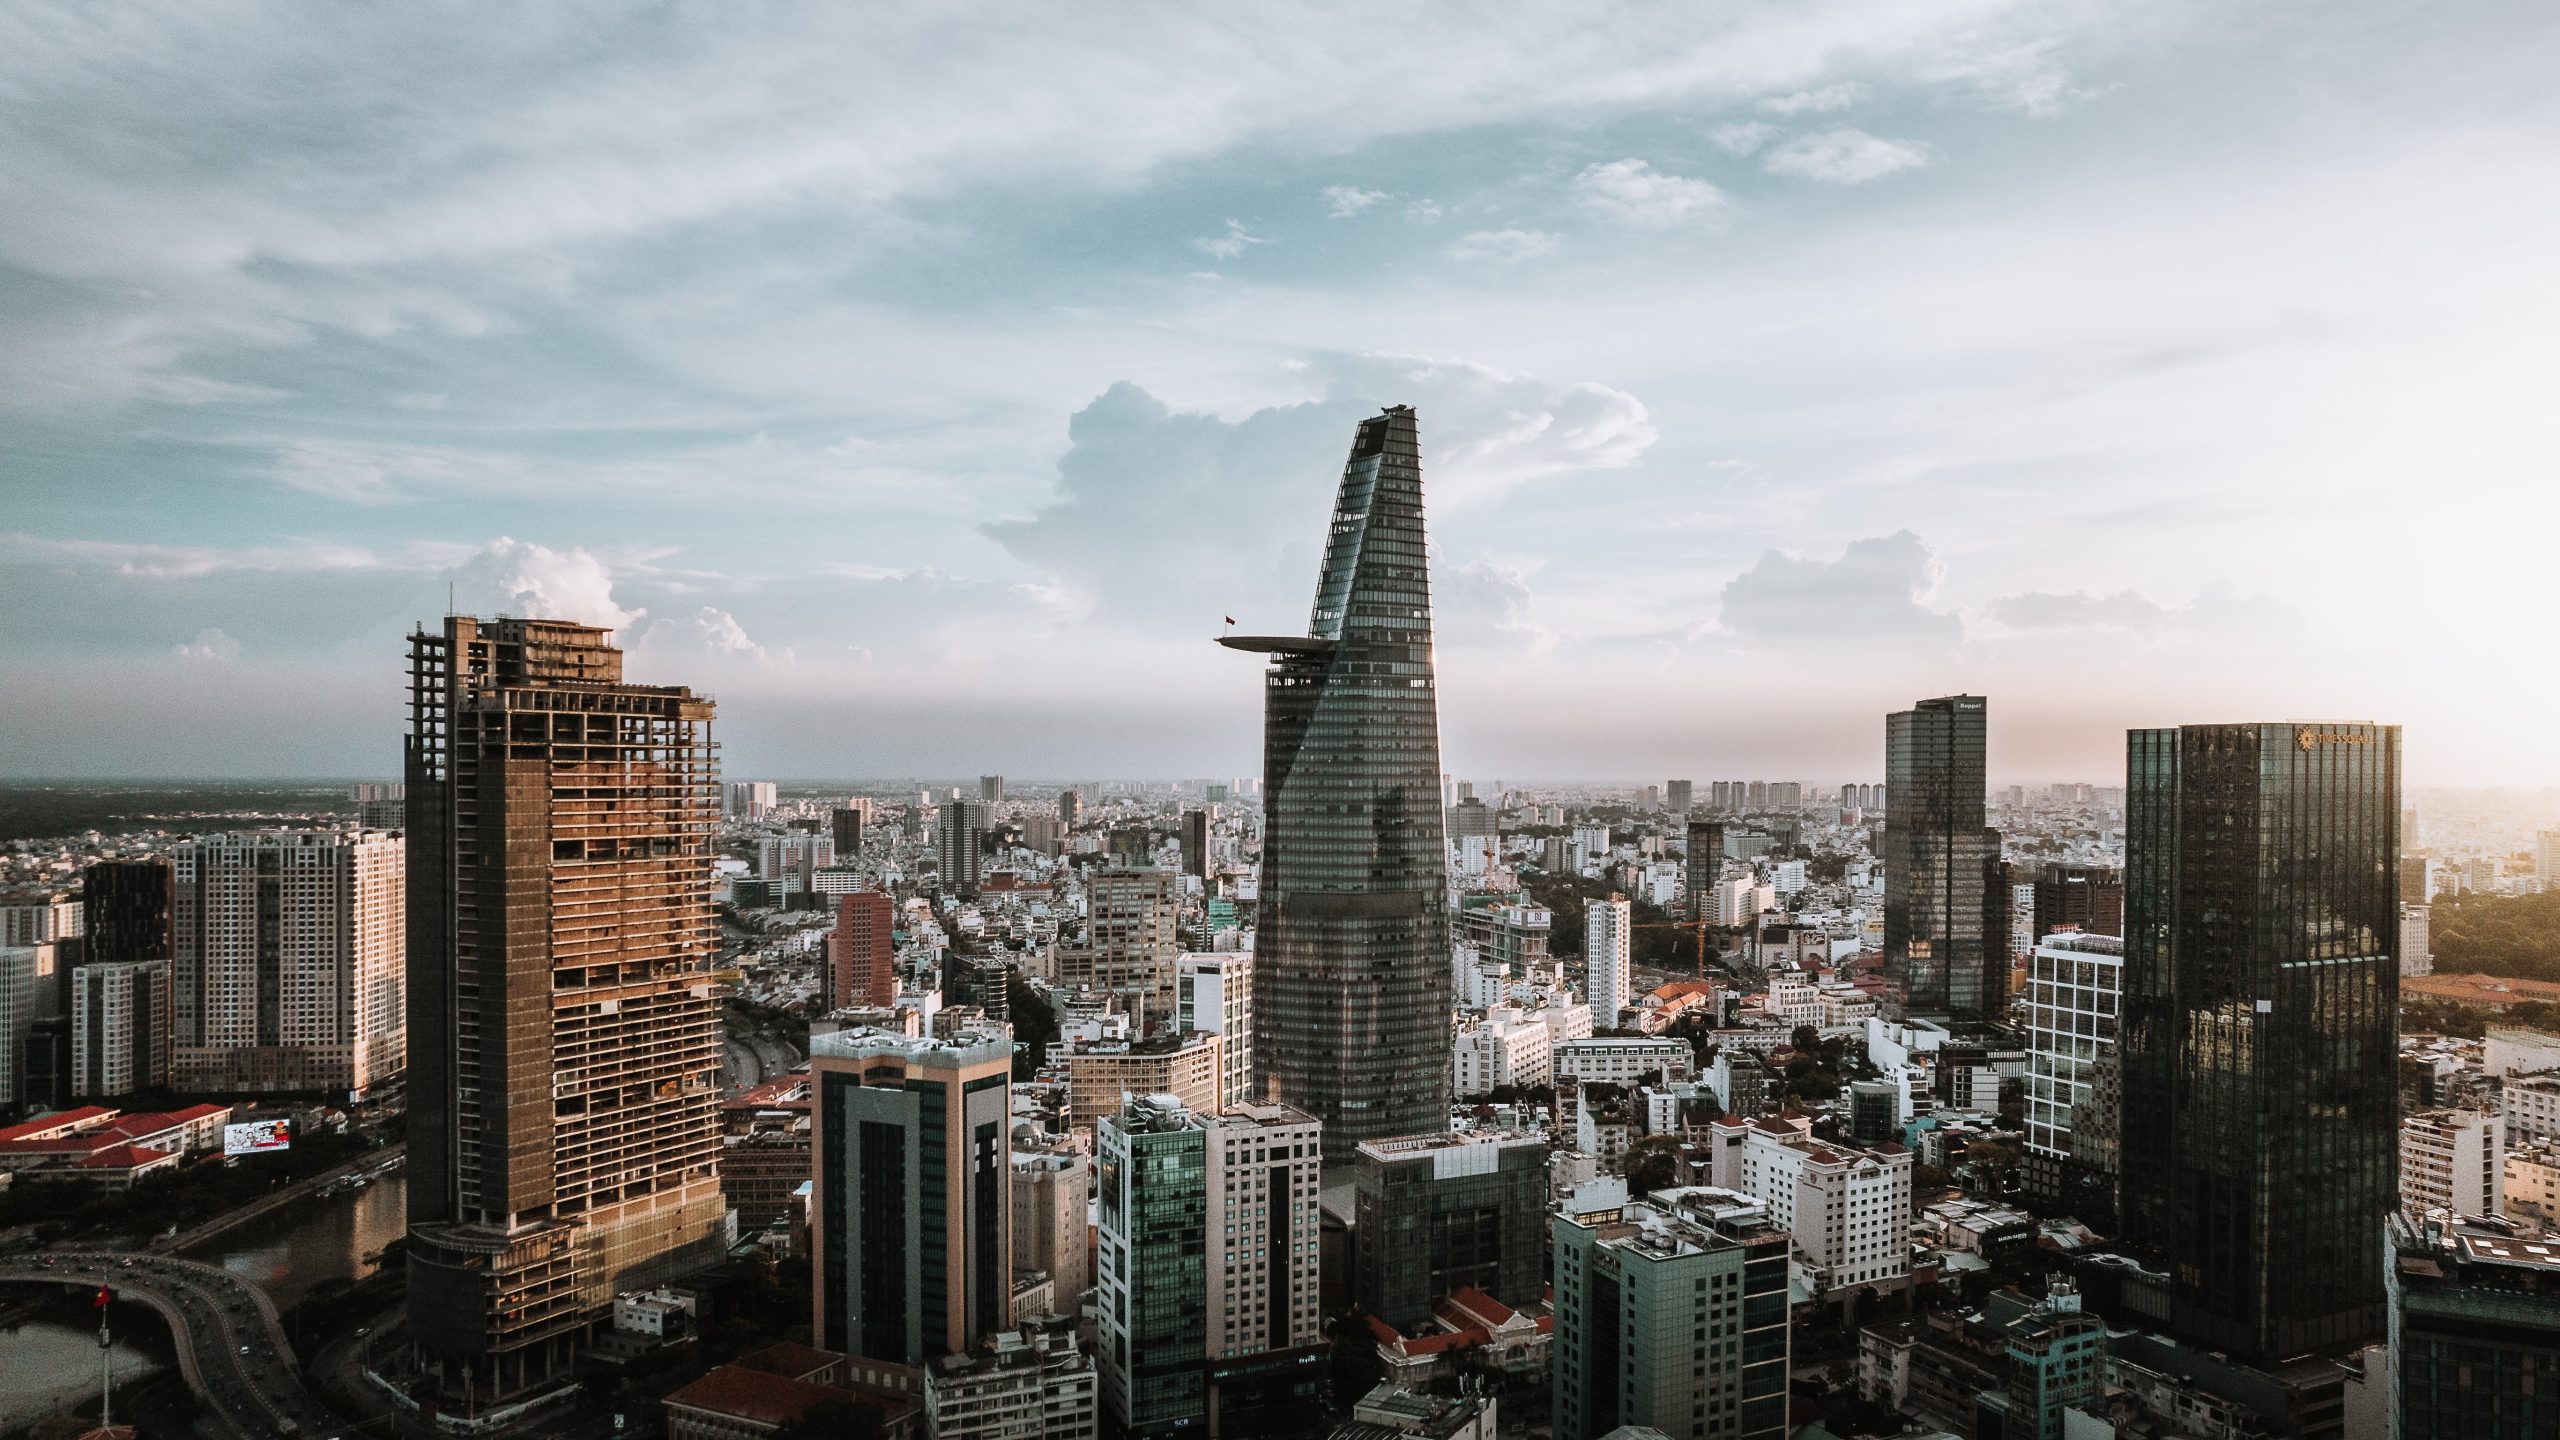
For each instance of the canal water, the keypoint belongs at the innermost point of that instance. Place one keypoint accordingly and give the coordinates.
(298, 1247)
(46, 1364)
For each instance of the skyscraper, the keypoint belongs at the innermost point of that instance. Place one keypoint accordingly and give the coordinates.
(911, 1235)
(1352, 941)
(862, 954)
(1675, 797)
(119, 1029)
(1195, 843)
(291, 952)
(1207, 1276)
(564, 1126)
(1705, 858)
(1945, 930)
(2261, 981)
(991, 789)
(1608, 929)
(956, 841)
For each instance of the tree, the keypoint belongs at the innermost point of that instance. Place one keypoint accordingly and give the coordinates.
(1653, 1163)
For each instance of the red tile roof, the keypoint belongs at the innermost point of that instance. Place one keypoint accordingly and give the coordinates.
(124, 1157)
(759, 1398)
(59, 1122)
(1475, 1305)
(790, 1359)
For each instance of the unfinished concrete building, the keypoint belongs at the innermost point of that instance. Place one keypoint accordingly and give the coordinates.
(564, 1129)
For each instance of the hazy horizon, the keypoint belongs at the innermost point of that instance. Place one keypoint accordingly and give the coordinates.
(928, 390)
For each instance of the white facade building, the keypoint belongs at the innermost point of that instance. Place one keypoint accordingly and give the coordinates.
(2075, 987)
(1264, 1166)
(1022, 1385)
(1507, 1046)
(1608, 932)
(1848, 1209)
(1213, 993)
(290, 961)
(119, 1028)
(2450, 1160)
(2416, 958)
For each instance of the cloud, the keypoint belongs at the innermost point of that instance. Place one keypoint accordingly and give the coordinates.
(1816, 102)
(1485, 602)
(2215, 610)
(1169, 520)
(1231, 244)
(1742, 137)
(707, 630)
(1848, 157)
(1503, 246)
(1631, 192)
(1875, 595)
(515, 577)
(1423, 212)
(1341, 202)
(211, 645)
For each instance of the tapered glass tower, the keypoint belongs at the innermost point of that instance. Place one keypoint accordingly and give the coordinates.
(2261, 985)
(1351, 947)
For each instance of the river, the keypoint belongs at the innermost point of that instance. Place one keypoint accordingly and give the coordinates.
(49, 1365)
(46, 1364)
(303, 1244)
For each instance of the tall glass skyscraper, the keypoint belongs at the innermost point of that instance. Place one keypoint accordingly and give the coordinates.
(1945, 946)
(1351, 948)
(2261, 985)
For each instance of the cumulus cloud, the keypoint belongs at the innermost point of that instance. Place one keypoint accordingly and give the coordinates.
(2215, 610)
(1233, 243)
(1820, 101)
(1485, 602)
(1503, 246)
(1742, 137)
(707, 630)
(515, 577)
(1847, 157)
(1875, 594)
(1341, 202)
(210, 644)
(1632, 192)
(1173, 519)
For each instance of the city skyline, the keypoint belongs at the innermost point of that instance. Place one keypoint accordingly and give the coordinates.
(1872, 353)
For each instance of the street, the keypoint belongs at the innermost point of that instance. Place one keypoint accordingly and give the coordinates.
(230, 1347)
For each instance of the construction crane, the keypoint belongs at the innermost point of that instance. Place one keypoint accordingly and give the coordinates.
(1701, 927)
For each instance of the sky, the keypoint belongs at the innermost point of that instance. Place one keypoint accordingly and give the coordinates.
(928, 383)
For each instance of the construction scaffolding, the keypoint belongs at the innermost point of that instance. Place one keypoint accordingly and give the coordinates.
(562, 844)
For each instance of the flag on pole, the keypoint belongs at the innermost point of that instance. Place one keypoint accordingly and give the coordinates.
(103, 1297)
(1231, 619)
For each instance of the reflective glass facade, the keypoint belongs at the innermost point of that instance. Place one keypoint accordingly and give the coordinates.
(1945, 926)
(1352, 941)
(2261, 986)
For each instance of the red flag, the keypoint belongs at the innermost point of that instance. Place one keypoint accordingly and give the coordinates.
(103, 1297)
(1231, 619)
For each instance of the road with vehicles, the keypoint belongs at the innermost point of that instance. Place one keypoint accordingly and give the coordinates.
(230, 1347)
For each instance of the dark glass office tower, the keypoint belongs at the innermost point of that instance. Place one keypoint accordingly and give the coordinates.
(1351, 953)
(2261, 947)
(1945, 935)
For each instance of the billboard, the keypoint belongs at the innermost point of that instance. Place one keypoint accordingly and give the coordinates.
(257, 1137)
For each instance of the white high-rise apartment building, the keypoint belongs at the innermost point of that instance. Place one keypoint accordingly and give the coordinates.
(20, 998)
(2546, 859)
(1262, 1263)
(119, 1028)
(1848, 1209)
(290, 959)
(2450, 1160)
(747, 799)
(2416, 957)
(1741, 899)
(1213, 993)
(40, 922)
(1608, 931)
(2075, 986)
